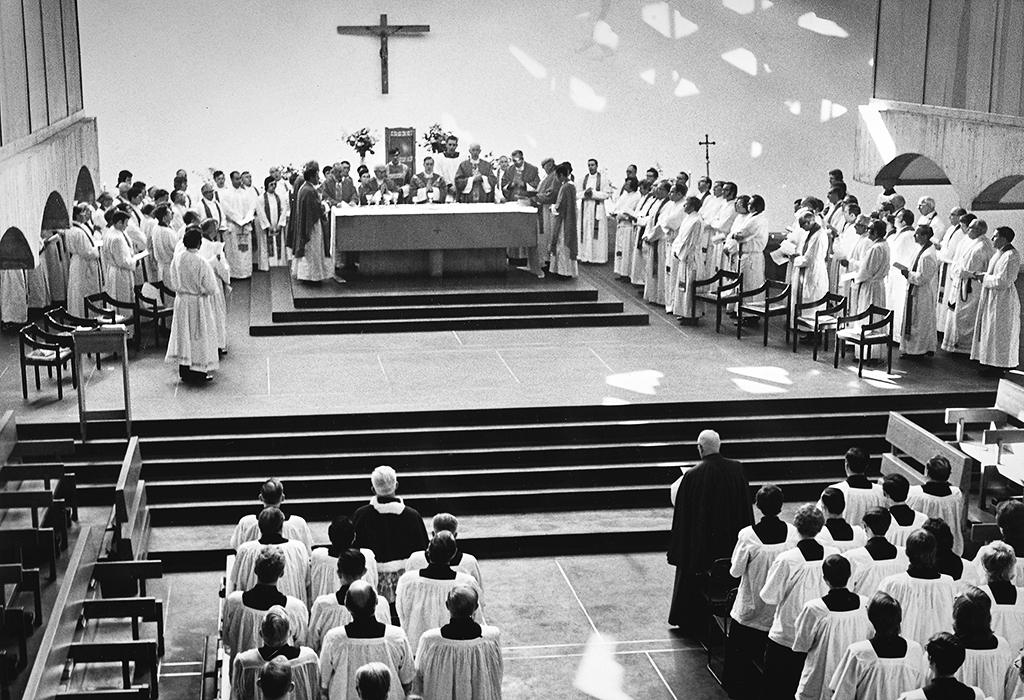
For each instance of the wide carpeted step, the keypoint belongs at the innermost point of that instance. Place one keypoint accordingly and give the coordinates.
(468, 323)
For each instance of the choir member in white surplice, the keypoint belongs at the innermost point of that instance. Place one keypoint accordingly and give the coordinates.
(720, 225)
(709, 209)
(461, 561)
(564, 236)
(593, 218)
(999, 563)
(688, 262)
(757, 548)
(946, 561)
(244, 610)
(945, 657)
(547, 194)
(973, 254)
(936, 498)
(362, 641)
(925, 594)
(118, 259)
(826, 627)
(997, 330)
(872, 274)
(275, 634)
(624, 218)
(272, 215)
(902, 250)
(328, 609)
(420, 595)
(163, 240)
(853, 248)
(838, 532)
(752, 237)
(657, 239)
(85, 276)
(883, 666)
(946, 243)
(1010, 521)
(988, 659)
(295, 579)
(809, 276)
(835, 220)
(308, 240)
(461, 659)
(905, 519)
(474, 178)
(730, 247)
(919, 334)
(793, 579)
(648, 206)
(860, 493)
(878, 558)
(323, 562)
(271, 495)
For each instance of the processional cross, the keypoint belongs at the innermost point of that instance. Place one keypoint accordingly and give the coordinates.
(707, 143)
(384, 30)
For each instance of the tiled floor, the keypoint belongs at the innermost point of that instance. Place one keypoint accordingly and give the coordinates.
(546, 610)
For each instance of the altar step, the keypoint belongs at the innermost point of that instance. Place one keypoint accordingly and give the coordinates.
(519, 301)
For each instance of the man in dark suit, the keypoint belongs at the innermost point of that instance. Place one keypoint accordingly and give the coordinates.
(521, 180)
(712, 505)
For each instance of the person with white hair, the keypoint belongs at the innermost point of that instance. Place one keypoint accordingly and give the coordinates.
(712, 506)
(930, 217)
(474, 178)
(302, 661)
(466, 563)
(388, 527)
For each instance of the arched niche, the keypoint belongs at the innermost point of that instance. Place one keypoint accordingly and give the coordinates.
(85, 187)
(911, 169)
(1003, 194)
(15, 252)
(55, 213)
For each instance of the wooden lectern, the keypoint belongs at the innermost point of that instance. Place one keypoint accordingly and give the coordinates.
(103, 339)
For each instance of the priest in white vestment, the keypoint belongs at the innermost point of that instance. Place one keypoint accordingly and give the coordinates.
(730, 247)
(622, 210)
(809, 276)
(719, 227)
(240, 211)
(973, 254)
(997, 331)
(834, 218)
(194, 334)
(461, 659)
(275, 633)
(826, 627)
(688, 262)
(925, 595)
(119, 260)
(919, 333)
(593, 218)
(648, 205)
(853, 247)
(295, 579)
(752, 237)
(213, 253)
(272, 214)
(658, 240)
(709, 209)
(328, 610)
(902, 251)
(362, 641)
(946, 250)
(872, 273)
(85, 275)
(928, 215)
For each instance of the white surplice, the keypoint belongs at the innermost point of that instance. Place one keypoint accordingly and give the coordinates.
(992, 670)
(193, 340)
(902, 249)
(341, 657)
(862, 675)
(927, 603)
(997, 329)
(593, 219)
(858, 501)
(752, 238)
(750, 563)
(84, 274)
(624, 241)
(858, 539)
(460, 669)
(245, 671)
(326, 613)
(294, 580)
(323, 572)
(163, 241)
(118, 266)
(948, 251)
(963, 294)
(241, 625)
(791, 582)
(950, 508)
(898, 534)
(866, 573)
(870, 278)
(824, 635)
(295, 528)
(468, 564)
(1008, 619)
(420, 602)
(919, 332)
(686, 249)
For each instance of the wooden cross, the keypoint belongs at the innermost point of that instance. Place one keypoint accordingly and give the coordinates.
(707, 144)
(384, 30)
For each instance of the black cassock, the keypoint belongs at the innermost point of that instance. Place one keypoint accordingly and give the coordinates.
(713, 504)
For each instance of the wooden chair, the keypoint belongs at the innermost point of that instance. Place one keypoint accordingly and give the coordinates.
(166, 294)
(876, 331)
(151, 309)
(60, 321)
(30, 545)
(719, 283)
(818, 317)
(41, 349)
(137, 609)
(776, 302)
(108, 310)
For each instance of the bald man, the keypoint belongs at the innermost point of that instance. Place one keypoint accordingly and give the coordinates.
(475, 180)
(712, 505)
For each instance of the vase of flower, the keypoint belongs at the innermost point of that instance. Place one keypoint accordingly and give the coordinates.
(435, 137)
(362, 142)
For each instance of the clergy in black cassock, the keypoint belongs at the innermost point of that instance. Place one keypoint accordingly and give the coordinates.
(711, 507)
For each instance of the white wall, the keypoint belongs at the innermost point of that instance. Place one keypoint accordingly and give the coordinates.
(241, 85)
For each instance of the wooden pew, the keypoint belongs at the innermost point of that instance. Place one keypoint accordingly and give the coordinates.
(129, 522)
(27, 543)
(989, 435)
(138, 610)
(112, 574)
(13, 617)
(912, 446)
(141, 652)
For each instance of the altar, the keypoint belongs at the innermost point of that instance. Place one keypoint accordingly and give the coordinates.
(432, 239)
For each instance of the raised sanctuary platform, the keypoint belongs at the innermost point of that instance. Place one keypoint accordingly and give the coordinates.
(513, 299)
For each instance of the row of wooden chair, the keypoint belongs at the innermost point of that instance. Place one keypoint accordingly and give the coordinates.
(870, 327)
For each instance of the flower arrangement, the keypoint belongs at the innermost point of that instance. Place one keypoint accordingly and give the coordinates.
(361, 141)
(435, 137)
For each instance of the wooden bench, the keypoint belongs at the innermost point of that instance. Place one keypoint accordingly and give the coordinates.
(129, 520)
(12, 617)
(989, 435)
(912, 446)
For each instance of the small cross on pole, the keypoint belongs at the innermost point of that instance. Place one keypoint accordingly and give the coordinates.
(707, 143)
(384, 30)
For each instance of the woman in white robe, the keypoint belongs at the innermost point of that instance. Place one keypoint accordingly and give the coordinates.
(460, 668)
(688, 260)
(193, 341)
(989, 661)
(624, 218)
(85, 277)
(997, 330)
(925, 595)
(963, 295)
(341, 656)
(303, 661)
(919, 333)
(119, 261)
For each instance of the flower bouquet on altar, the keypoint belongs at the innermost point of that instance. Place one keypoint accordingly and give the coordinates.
(361, 141)
(435, 137)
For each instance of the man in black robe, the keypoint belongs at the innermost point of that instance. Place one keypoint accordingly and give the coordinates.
(712, 506)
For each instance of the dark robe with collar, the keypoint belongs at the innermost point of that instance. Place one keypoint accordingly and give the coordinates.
(307, 212)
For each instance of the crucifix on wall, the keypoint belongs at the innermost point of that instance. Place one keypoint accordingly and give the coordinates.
(384, 30)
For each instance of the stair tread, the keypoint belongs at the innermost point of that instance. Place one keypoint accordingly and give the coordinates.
(460, 319)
